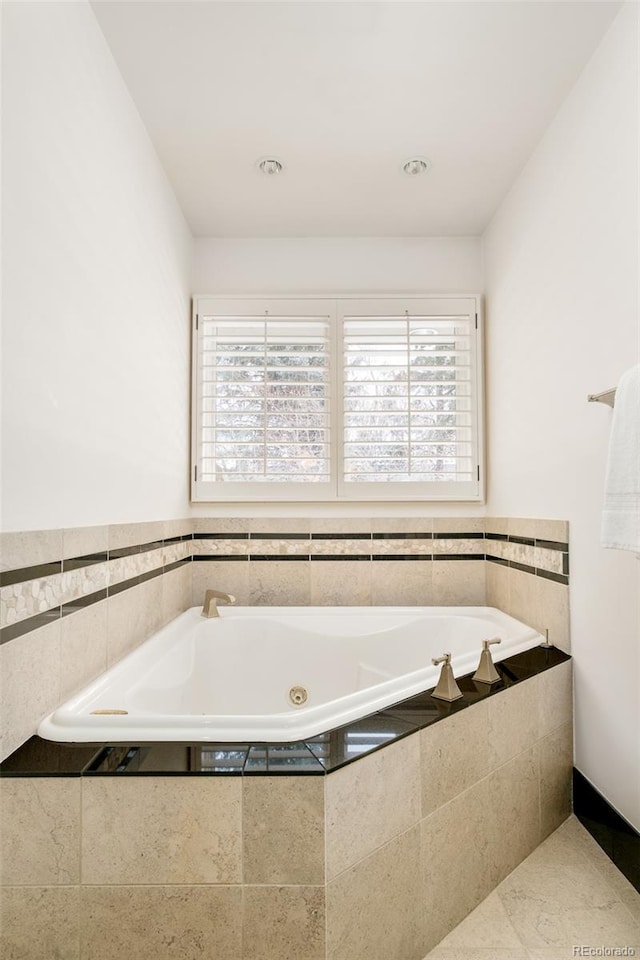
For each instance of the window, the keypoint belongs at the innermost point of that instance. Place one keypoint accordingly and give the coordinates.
(337, 399)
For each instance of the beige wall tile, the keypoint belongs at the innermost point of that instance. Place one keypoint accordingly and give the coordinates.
(131, 534)
(281, 923)
(539, 529)
(523, 597)
(555, 755)
(497, 584)
(176, 592)
(29, 683)
(341, 525)
(177, 528)
(457, 871)
(401, 582)
(133, 616)
(40, 923)
(40, 839)
(283, 830)
(513, 819)
(340, 582)
(230, 576)
(221, 524)
(458, 524)
(161, 923)
(279, 582)
(279, 525)
(363, 810)
(454, 756)
(459, 583)
(513, 721)
(553, 612)
(29, 548)
(225, 548)
(81, 541)
(401, 525)
(161, 830)
(556, 697)
(374, 910)
(83, 647)
(496, 525)
(340, 547)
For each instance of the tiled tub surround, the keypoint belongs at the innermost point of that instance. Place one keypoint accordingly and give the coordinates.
(378, 859)
(73, 602)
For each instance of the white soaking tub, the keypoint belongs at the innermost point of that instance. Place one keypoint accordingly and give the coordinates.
(230, 678)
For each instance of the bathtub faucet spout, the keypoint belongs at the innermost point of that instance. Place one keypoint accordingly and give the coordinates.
(211, 598)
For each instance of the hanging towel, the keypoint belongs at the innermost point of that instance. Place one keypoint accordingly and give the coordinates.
(621, 514)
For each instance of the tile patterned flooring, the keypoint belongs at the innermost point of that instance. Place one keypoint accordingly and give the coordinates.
(566, 900)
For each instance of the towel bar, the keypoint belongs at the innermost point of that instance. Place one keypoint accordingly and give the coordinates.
(607, 396)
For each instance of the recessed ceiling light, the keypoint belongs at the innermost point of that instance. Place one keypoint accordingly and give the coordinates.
(270, 166)
(414, 166)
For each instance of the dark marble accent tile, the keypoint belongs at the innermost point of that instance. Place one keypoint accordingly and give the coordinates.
(401, 556)
(76, 563)
(40, 758)
(81, 602)
(353, 740)
(528, 541)
(115, 588)
(177, 563)
(496, 536)
(458, 536)
(522, 566)
(403, 536)
(549, 575)
(341, 536)
(527, 664)
(341, 556)
(152, 545)
(618, 838)
(458, 556)
(277, 556)
(279, 536)
(284, 758)
(21, 627)
(553, 545)
(500, 560)
(124, 552)
(9, 577)
(565, 564)
(185, 536)
(150, 574)
(218, 556)
(422, 709)
(221, 536)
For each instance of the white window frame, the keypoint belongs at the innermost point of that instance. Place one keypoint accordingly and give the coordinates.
(337, 490)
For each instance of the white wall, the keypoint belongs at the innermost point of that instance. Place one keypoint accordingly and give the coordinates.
(358, 265)
(561, 261)
(96, 286)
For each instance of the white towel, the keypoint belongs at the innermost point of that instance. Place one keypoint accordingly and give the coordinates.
(621, 514)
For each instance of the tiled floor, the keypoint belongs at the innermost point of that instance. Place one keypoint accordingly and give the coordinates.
(566, 895)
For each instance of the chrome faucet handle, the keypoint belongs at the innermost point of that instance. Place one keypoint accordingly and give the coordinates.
(486, 672)
(446, 688)
(210, 605)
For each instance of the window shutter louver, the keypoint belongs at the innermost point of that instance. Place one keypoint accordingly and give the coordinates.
(409, 396)
(392, 413)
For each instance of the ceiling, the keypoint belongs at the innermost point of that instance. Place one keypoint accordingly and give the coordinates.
(343, 93)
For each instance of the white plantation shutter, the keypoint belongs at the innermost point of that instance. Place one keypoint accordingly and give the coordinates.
(352, 399)
(410, 397)
(264, 404)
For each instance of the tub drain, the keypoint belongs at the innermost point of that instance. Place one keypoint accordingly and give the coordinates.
(298, 696)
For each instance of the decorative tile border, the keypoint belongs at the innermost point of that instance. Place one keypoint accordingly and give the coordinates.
(32, 596)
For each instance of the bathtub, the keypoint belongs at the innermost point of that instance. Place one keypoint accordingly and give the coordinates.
(277, 673)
